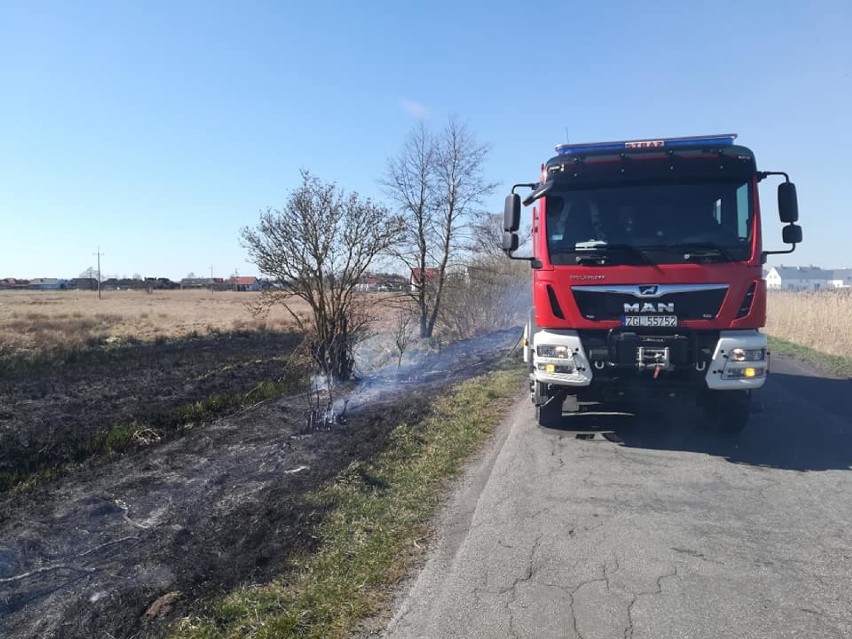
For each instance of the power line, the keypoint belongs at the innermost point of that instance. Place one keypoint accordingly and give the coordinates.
(99, 270)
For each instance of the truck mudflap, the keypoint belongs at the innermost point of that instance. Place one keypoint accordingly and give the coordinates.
(740, 361)
(558, 358)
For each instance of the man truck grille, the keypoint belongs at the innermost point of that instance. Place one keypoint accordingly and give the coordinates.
(690, 301)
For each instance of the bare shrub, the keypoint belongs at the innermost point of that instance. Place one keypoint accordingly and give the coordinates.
(490, 291)
(489, 295)
(316, 249)
(402, 333)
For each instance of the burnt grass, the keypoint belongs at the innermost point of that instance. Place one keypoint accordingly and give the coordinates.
(58, 412)
(125, 544)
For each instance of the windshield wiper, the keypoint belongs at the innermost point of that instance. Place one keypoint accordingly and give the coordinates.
(697, 250)
(597, 253)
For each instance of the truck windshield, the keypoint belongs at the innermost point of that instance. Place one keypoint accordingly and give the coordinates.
(659, 223)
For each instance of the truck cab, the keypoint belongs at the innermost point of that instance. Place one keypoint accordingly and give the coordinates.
(647, 261)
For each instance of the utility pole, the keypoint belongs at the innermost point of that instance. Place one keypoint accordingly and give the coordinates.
(211, 278)
(99, 270)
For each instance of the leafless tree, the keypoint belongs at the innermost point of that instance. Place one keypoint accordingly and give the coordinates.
(437, 182)
(402, 334)
(315, 249)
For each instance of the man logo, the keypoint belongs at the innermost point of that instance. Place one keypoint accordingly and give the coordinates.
(649, 307)
(648, 290)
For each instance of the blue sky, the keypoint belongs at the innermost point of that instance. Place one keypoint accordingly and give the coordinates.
(157, 130)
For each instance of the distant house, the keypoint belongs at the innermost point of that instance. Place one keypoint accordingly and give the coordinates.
(47, 284)
(807, 278)
(216, 283)
(111, 284)
(123, 284)
(383, 282)
(427, 276)
(368, 284)
(13, 283)
(393, 282)
(83, 283)
(244, 284)
(841, 278)
(160, 283)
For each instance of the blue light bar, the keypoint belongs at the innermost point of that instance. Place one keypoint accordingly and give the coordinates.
(726, 139)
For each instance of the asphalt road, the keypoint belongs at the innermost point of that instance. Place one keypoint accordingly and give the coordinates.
(658, 529)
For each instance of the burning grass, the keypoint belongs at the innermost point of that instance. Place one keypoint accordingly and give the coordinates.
(378, 511)
(817, 320)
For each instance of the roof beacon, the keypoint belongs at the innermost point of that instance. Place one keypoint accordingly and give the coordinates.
(725, 139)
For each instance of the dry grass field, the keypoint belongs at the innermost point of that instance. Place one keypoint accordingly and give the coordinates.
(34, 323)
(820, 320)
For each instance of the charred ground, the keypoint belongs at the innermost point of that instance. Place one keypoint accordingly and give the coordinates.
(50, 413)
(126, 544)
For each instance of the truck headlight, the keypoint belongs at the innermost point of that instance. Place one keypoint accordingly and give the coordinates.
(748, 354)
(750, 372)
(568, 368)
(549, 350)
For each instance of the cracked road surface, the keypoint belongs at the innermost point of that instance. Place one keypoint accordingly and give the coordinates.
(653, 528)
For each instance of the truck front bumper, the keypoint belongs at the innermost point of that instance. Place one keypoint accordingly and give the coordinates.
(558, 358)
(740, 361)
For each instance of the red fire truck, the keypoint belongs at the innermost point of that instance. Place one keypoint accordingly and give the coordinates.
(647, 274)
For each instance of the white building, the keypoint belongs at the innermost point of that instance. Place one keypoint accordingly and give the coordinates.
(807, 278)
(841, 278)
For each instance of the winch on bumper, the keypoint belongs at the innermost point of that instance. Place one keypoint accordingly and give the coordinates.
(726, 360)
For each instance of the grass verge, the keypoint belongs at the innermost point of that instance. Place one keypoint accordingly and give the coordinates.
(378, 513)
(833, 364)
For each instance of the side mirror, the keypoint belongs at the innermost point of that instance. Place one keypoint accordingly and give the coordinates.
(510, 242)
(512, 213)
(788, 204)
(540, 191)
(792, 233)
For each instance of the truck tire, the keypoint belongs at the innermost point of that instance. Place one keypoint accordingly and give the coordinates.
(727, 411)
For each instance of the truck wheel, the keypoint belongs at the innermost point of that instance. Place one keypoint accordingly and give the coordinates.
(548, 404)
(727, 411)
